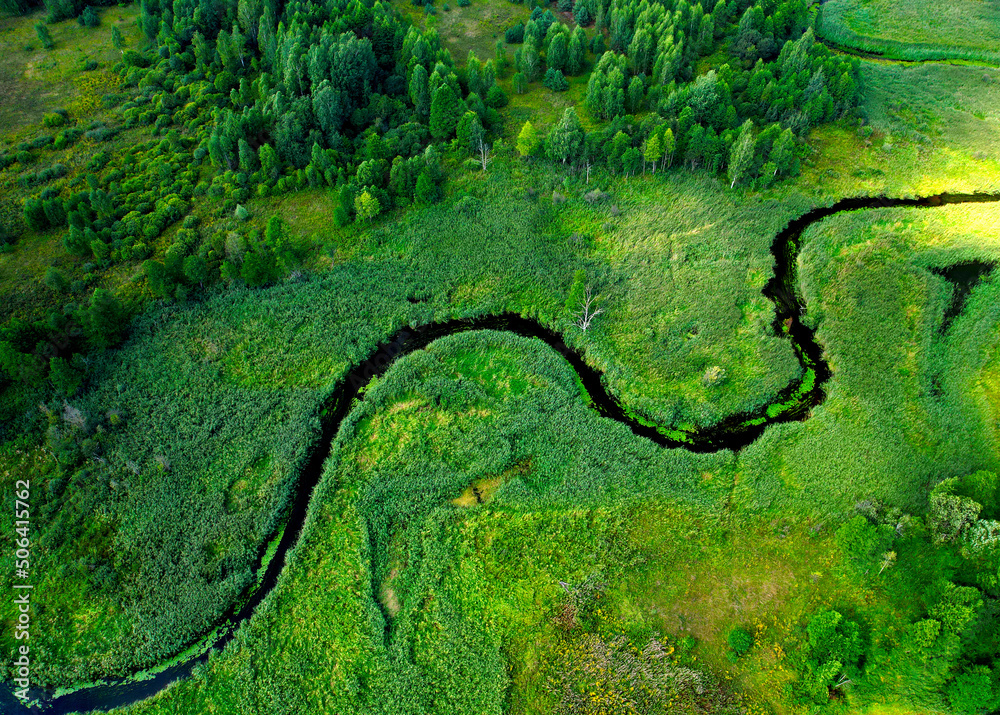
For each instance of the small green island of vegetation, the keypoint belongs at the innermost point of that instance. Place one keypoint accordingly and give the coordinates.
(493, 357)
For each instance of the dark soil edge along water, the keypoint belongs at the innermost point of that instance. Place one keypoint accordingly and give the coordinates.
(794, 403)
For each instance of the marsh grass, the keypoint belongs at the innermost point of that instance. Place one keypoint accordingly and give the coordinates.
(916, 30)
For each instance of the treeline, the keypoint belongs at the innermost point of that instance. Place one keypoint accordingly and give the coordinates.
(779, 84)
(253, 99)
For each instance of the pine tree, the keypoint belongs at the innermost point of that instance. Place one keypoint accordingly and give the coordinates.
(270, 164)
(427, 190)
(555, 80)
(89, 17)
(558, 52)
(419, 92)
(43, 36)
(106, 319)
(55, 280)
(117, 41)
(576, 55)
(473, 73)
(248, 157)
(470, 132)
(446, 110)
(528, 140)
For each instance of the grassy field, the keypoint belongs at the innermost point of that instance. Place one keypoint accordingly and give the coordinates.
(476, 27)
(34, 80)
(916, 30)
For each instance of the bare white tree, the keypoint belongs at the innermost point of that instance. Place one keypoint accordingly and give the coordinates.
(587, 311)
(484, 153)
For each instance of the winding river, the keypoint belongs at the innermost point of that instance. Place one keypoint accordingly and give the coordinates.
(794, 403)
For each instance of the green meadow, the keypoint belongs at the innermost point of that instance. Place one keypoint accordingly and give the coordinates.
(966, 30)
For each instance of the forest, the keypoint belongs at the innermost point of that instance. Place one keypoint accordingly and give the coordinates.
(521, 357)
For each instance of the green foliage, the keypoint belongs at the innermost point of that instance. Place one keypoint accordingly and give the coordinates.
(260, 267)
(974, 691)
(43, 36)
(950, 516)
(832, 652)
(66, 375)
(740, 640)
(555, 80)
(55, 280)
(565, 141)
(106, 318)
(367, 206)
(89, 17)
(446, 110)
(864, 543)
(496, 97)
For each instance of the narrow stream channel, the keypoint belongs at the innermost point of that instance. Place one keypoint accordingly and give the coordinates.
(794, 403)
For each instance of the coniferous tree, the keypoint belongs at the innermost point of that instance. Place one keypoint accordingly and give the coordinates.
(555, 80)
(117, 41)
(427, 190)
(558, 52)
(528, 140)
(106, 318)
(419, 92)
(576, 53)
(446, 110)
(43, 36)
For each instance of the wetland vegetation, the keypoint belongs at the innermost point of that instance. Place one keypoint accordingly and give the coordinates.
(214, 215)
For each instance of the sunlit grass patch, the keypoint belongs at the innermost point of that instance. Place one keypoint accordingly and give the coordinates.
(34, 80)
(915, 30)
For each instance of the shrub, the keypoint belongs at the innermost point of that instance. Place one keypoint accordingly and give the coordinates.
(53, 119)
(555, 80)
(514, 35)
(740, 640)
(43, 36)
(89, 17)
(496, 98)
